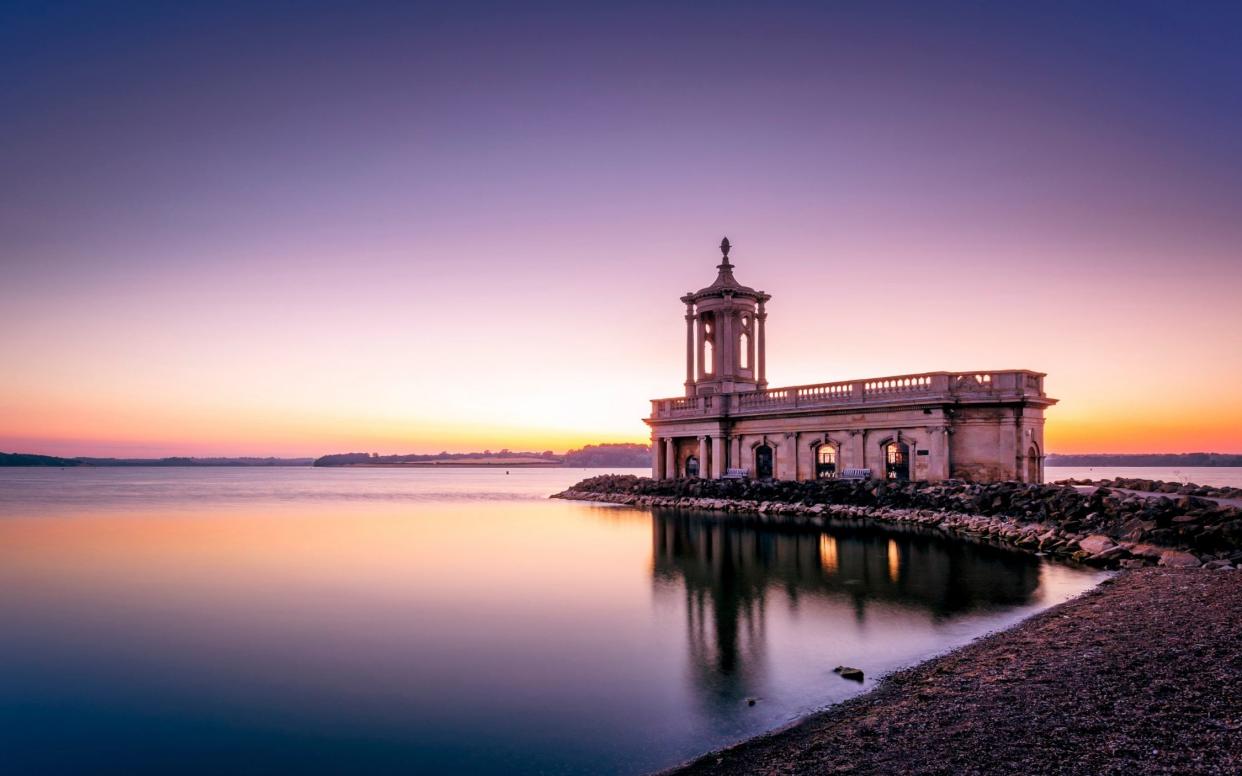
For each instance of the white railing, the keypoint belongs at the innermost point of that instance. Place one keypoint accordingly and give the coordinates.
(683, 407)
(887, 386)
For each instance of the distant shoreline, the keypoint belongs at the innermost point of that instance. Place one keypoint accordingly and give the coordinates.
(607, 455)
(52, 461)
(452, 465)
(1144, 460)
(592, 456)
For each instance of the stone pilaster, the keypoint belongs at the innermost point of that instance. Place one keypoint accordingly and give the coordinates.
(795, 438)
(689, 349)
(761, 342)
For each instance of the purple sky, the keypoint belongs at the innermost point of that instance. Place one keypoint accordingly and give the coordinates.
(313, 227)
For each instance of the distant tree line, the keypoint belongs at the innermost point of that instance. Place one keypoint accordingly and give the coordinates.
(186, 461)
(599, 456)
(355, 459)
(30, 459)
(591, 456)
(1146, 459)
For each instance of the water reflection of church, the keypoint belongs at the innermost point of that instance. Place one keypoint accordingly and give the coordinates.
(929, 426)
(730, 572)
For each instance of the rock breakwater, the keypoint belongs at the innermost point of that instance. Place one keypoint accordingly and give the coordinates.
(1105, 528)
(1160, 486)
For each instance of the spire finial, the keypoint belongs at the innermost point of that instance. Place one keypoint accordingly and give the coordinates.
(724, 249)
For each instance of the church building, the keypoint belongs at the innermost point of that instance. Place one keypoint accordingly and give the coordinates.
(980, 426)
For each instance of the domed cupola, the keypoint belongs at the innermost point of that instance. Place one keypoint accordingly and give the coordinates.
(724, 334)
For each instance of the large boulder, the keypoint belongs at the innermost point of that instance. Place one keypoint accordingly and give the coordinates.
(1095, 544)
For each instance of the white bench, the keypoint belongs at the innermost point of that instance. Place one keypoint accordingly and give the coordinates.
(735, 474)
(854, 474)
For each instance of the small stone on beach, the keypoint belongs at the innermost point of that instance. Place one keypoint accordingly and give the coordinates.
(846, 672)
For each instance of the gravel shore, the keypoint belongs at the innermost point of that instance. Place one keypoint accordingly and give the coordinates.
(1141, 675)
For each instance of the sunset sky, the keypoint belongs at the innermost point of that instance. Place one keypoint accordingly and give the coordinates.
(295, 228)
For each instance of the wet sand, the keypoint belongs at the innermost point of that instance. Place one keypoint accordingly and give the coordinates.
(1141, 675)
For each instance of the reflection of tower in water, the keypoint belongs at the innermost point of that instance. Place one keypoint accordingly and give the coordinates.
(724, 599)
(725, 570)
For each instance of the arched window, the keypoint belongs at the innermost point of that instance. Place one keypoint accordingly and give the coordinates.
(897, 461)
(707, 344)
(825, 462)
(692, 466)
(1032, 465)
(743, 344)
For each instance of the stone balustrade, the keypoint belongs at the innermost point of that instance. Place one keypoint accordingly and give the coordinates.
(929, 386)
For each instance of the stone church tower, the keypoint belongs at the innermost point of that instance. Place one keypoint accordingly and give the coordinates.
(724, 335)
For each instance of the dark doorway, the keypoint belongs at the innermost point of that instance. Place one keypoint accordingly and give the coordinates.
(763, 462)
(692, 466)
(897, 461)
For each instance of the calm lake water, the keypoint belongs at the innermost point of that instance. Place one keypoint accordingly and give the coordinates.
(441, 621)
(1219, 476)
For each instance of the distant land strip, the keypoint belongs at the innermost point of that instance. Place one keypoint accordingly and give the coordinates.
(589, 457)
(1145, 459)
(31, 459)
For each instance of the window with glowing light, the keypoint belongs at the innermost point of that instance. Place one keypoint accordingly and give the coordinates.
(897, 461)
(825, 462)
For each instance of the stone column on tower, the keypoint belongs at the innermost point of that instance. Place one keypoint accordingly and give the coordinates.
(670, 459)
(762, 345)
(689, 348)
(700, 350)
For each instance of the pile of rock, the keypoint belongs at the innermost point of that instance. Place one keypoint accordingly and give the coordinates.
(1105, 528)
(1160, 486)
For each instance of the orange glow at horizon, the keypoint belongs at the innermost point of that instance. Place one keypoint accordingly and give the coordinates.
(572, 375)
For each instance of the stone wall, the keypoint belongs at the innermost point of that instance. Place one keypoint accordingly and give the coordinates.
(978, 443)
